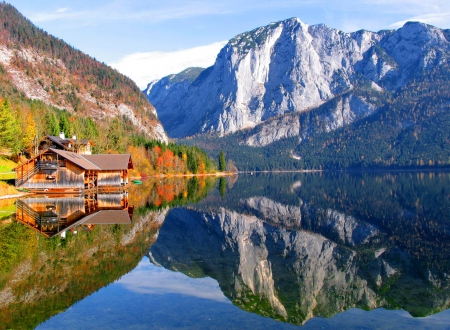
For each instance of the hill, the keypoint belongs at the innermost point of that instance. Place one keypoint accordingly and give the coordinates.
(41, 74)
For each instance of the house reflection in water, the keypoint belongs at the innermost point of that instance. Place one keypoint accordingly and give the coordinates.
(52, 215)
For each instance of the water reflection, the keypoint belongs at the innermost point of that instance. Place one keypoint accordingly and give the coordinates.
(289, 247)
(50, 215)
(318, 245)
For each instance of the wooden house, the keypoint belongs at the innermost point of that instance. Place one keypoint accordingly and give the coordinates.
(56, 215)
(57, 170)
(83, 146)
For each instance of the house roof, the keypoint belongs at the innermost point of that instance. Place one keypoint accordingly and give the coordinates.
(105, 162)
(56, 140)
(64, 142)
(77, 159)
(105, 217)
(83, 142)
(111, 161)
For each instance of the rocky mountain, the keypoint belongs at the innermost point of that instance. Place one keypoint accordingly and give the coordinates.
(286, 275)
(266, 78)
(41, 67)
(317, 245)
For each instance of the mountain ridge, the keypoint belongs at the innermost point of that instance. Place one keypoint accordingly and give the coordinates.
(290, 66)
(313, 97)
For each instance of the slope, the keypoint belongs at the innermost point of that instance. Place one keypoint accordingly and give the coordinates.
(38, 66)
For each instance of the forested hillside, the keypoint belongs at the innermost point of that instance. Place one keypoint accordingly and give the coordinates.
(47, 81)
(410, 129)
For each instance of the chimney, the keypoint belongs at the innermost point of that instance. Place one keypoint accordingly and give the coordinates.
(62, 135)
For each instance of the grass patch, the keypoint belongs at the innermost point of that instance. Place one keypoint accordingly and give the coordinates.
(6, 165)
(6, 169)
(6, 189)
(7, 208)
(7, 176)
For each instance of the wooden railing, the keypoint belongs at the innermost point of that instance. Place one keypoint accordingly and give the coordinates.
(28, 211)
(27, 175)
(53, 165)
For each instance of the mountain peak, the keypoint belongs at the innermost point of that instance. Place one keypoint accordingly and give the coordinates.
(291, 67)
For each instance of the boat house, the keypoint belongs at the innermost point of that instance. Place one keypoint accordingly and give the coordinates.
(55, 215)
(83, 146)
(56, 170)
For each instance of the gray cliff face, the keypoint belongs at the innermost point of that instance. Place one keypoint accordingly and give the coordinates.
(341, 111)
(298, 274)
(290, 67)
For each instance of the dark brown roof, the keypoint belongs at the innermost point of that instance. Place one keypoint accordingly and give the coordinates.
(56, 140)
(64, 142)
(105, 162)
(109, 217)
(77, 159)
(83, 142)
(111, 161)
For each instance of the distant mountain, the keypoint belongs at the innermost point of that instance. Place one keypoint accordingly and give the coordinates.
(323, 88)
(166, 92)
(42, 67)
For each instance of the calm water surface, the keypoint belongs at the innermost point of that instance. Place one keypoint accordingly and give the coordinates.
(310, 251)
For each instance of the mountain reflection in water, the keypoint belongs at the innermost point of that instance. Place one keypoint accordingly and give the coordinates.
(320, 244)
(289, 247)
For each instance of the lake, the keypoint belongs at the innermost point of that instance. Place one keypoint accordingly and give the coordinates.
(268, 250)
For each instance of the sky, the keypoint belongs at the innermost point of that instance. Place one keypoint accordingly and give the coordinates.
(148, 39)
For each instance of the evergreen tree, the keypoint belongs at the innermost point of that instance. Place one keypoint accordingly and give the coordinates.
(52, 125)
(114, 137)
(64, 125)
(90, 129)
(222, 187)
(9, 127)
(222, 161)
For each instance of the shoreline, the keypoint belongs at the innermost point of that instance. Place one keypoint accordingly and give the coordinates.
(156, 176)
(14, 196)
(180, 175)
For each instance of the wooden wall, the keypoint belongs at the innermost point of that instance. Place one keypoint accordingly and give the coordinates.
(109, 179)
(118, 201)
(64, 178)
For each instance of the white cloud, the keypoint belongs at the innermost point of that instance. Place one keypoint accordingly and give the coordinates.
(62, 10)
(147, 278)
(118, 11)
(441, 20)
(146, 67)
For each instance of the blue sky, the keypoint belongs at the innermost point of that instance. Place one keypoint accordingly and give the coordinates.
(147, 39)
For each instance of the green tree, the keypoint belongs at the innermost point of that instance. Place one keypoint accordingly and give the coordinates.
(115, 135)
(222, 187)
(64, 125)
(9, 127)
(222, 161)
(51, 124)
(90, 128)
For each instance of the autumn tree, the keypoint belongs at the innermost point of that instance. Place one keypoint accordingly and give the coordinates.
(29, 132)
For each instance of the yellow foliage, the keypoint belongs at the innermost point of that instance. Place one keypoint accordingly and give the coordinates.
(6, 189)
